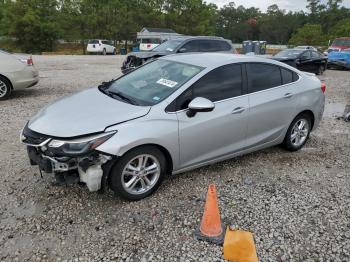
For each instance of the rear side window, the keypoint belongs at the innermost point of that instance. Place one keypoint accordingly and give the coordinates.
(219, 84)
(288, 76)
(93, 41)
(263, 76)
(224, 46)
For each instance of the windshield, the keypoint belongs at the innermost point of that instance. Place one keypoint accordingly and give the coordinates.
(341, 42)
(289, 53)
(168, 46)
(153, 82)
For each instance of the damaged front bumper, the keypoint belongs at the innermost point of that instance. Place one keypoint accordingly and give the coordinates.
(87, 166)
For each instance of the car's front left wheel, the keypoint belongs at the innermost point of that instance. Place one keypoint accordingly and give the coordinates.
(5, 88)
(138, 173)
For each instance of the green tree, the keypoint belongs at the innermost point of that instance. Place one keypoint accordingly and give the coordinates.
(33, 23)
(342, 29)
(309, 34)
(277, 26)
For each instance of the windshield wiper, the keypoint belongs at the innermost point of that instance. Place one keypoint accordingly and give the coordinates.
(121, 96)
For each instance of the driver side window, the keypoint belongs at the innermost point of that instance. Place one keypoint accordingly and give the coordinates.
(191, 46)
(306, 55)
(219, 84)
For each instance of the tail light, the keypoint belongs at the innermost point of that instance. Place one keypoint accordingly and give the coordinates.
(323, 87)
(30, 61)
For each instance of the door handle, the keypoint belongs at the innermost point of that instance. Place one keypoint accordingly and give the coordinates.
(288, 95)
(238, 110)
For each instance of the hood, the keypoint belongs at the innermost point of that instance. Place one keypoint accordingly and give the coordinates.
(147, 54)
(86, 112)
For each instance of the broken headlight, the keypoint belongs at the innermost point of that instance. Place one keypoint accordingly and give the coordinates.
(79, 146)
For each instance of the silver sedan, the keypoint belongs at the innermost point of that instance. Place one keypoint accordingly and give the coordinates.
(15, 74)
(172, 115)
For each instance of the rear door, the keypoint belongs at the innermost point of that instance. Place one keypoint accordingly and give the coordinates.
(272, 102)
(210, 135)
(305, 62)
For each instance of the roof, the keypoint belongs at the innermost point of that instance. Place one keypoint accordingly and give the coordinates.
(212, 60)
(157, 30)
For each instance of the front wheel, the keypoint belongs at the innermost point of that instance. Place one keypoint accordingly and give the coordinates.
(138, 173)
(298, 133)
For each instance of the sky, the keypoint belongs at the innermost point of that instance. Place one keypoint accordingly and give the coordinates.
(293, 5)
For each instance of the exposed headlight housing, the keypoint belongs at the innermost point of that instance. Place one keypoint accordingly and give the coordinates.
(79, 146)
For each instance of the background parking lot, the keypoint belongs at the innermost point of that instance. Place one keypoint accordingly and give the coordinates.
(296, 204)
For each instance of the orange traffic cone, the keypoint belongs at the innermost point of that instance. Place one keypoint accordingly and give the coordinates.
(211, 229)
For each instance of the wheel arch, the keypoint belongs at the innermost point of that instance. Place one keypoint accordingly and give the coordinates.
(11, 85)
(310, 114)
(166, 153)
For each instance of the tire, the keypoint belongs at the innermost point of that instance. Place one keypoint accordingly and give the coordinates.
(5, 88)
(104, 52)
(128, 177)
(294, 133)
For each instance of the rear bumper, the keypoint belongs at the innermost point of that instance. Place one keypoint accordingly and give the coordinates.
(26, 78)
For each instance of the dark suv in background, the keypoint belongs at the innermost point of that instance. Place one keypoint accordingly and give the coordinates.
(183, 44)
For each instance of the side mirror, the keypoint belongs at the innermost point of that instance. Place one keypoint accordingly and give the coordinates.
(200, 104)
(182, 50)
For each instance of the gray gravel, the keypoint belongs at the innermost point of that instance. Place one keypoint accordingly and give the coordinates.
(296, 204)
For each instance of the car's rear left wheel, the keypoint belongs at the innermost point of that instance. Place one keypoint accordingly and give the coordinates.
(138, 173)
(5, 88)
(298, 133)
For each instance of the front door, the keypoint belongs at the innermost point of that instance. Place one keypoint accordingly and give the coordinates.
(210, 135)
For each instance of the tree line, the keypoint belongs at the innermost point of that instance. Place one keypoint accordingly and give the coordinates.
(36, 25)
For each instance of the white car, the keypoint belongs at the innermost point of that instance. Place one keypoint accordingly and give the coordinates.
(306, 47)
(16, 73)
(103, 47)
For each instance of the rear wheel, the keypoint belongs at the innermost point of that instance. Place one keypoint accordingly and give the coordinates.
(138, 173)
(5, 88)
(298, 133)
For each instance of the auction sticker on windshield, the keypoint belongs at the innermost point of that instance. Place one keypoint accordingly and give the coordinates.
(166, 82)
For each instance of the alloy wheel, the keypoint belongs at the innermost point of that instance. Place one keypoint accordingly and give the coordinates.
(3, 89)
(300, 132)
(140, 174)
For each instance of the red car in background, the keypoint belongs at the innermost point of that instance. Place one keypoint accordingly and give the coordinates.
(339, 44)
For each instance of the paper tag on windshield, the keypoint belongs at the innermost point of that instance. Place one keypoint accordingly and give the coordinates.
(166, 82)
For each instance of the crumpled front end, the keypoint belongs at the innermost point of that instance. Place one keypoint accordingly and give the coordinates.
(74, 160)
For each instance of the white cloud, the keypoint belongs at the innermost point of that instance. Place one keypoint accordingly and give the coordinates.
(294, 5)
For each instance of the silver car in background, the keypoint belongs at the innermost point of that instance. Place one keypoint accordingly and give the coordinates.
(172, 115)
(15, 74)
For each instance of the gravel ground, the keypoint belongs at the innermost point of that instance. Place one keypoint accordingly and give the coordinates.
(296, 204)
